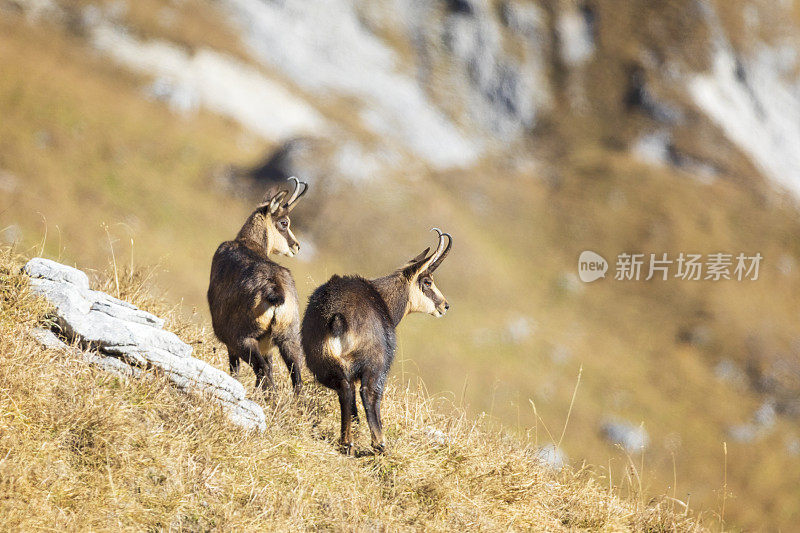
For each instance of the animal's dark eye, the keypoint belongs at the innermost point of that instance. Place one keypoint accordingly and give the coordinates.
(427, 282)
(284, 223)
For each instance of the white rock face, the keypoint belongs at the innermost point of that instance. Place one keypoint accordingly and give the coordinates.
(575, 33)
(51, 341)
(504, 94)
(126, 336)
(323, 48)
(760, 113)
(213, 81)
(755, 99)
(48, 339)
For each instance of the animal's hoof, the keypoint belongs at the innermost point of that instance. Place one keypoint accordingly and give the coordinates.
(347, 449)
(379, 448)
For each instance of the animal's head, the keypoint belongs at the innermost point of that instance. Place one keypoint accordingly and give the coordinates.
(424, 296)
(274, 217)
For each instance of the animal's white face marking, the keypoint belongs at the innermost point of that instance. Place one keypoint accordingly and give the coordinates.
(418, 301)
(425, 297)
(291, 252)
(438, 311)
(280, 237)
(278, 242)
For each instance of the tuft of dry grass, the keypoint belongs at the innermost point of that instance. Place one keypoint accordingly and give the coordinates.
(84, 450)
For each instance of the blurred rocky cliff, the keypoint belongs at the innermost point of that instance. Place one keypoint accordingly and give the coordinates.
(385, 87)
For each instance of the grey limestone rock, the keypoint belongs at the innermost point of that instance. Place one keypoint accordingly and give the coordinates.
(127, 339)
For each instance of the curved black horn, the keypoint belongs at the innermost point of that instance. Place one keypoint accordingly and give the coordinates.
(444, 253)
(435, 255)
(297, 193)
(294, 191)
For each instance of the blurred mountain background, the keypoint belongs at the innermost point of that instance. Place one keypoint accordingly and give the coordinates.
(144, 132)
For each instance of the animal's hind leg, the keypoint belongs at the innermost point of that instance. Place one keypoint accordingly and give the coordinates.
(292, 355)
(347, 398)
(371, 394)
(262, 366)
(354, 408)
(233, 361)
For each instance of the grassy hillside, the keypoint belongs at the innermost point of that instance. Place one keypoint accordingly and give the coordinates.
(100, 173)
(88, 451)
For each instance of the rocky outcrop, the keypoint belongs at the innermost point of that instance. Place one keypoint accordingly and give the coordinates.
(206, 78)
(48, 339)
(504, 93)
(753, 96)
(123, 339)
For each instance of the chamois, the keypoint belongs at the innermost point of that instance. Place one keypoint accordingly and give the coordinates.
(253, 300)
(348, 333)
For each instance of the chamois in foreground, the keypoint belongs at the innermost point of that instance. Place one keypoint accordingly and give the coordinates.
(348, 333)
(253, 300)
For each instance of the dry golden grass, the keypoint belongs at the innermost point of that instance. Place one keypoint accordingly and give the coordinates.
(83, 450)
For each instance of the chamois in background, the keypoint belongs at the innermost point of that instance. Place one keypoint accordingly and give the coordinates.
(253, 300)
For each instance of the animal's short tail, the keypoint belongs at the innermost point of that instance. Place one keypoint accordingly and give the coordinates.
(337, 325)
(273, 295)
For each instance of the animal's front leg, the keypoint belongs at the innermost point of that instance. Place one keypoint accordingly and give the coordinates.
(233, 361)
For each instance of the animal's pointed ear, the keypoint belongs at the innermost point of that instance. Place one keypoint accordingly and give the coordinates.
(411, 268)
(421, 256)
(272, 200)
(277, 200)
